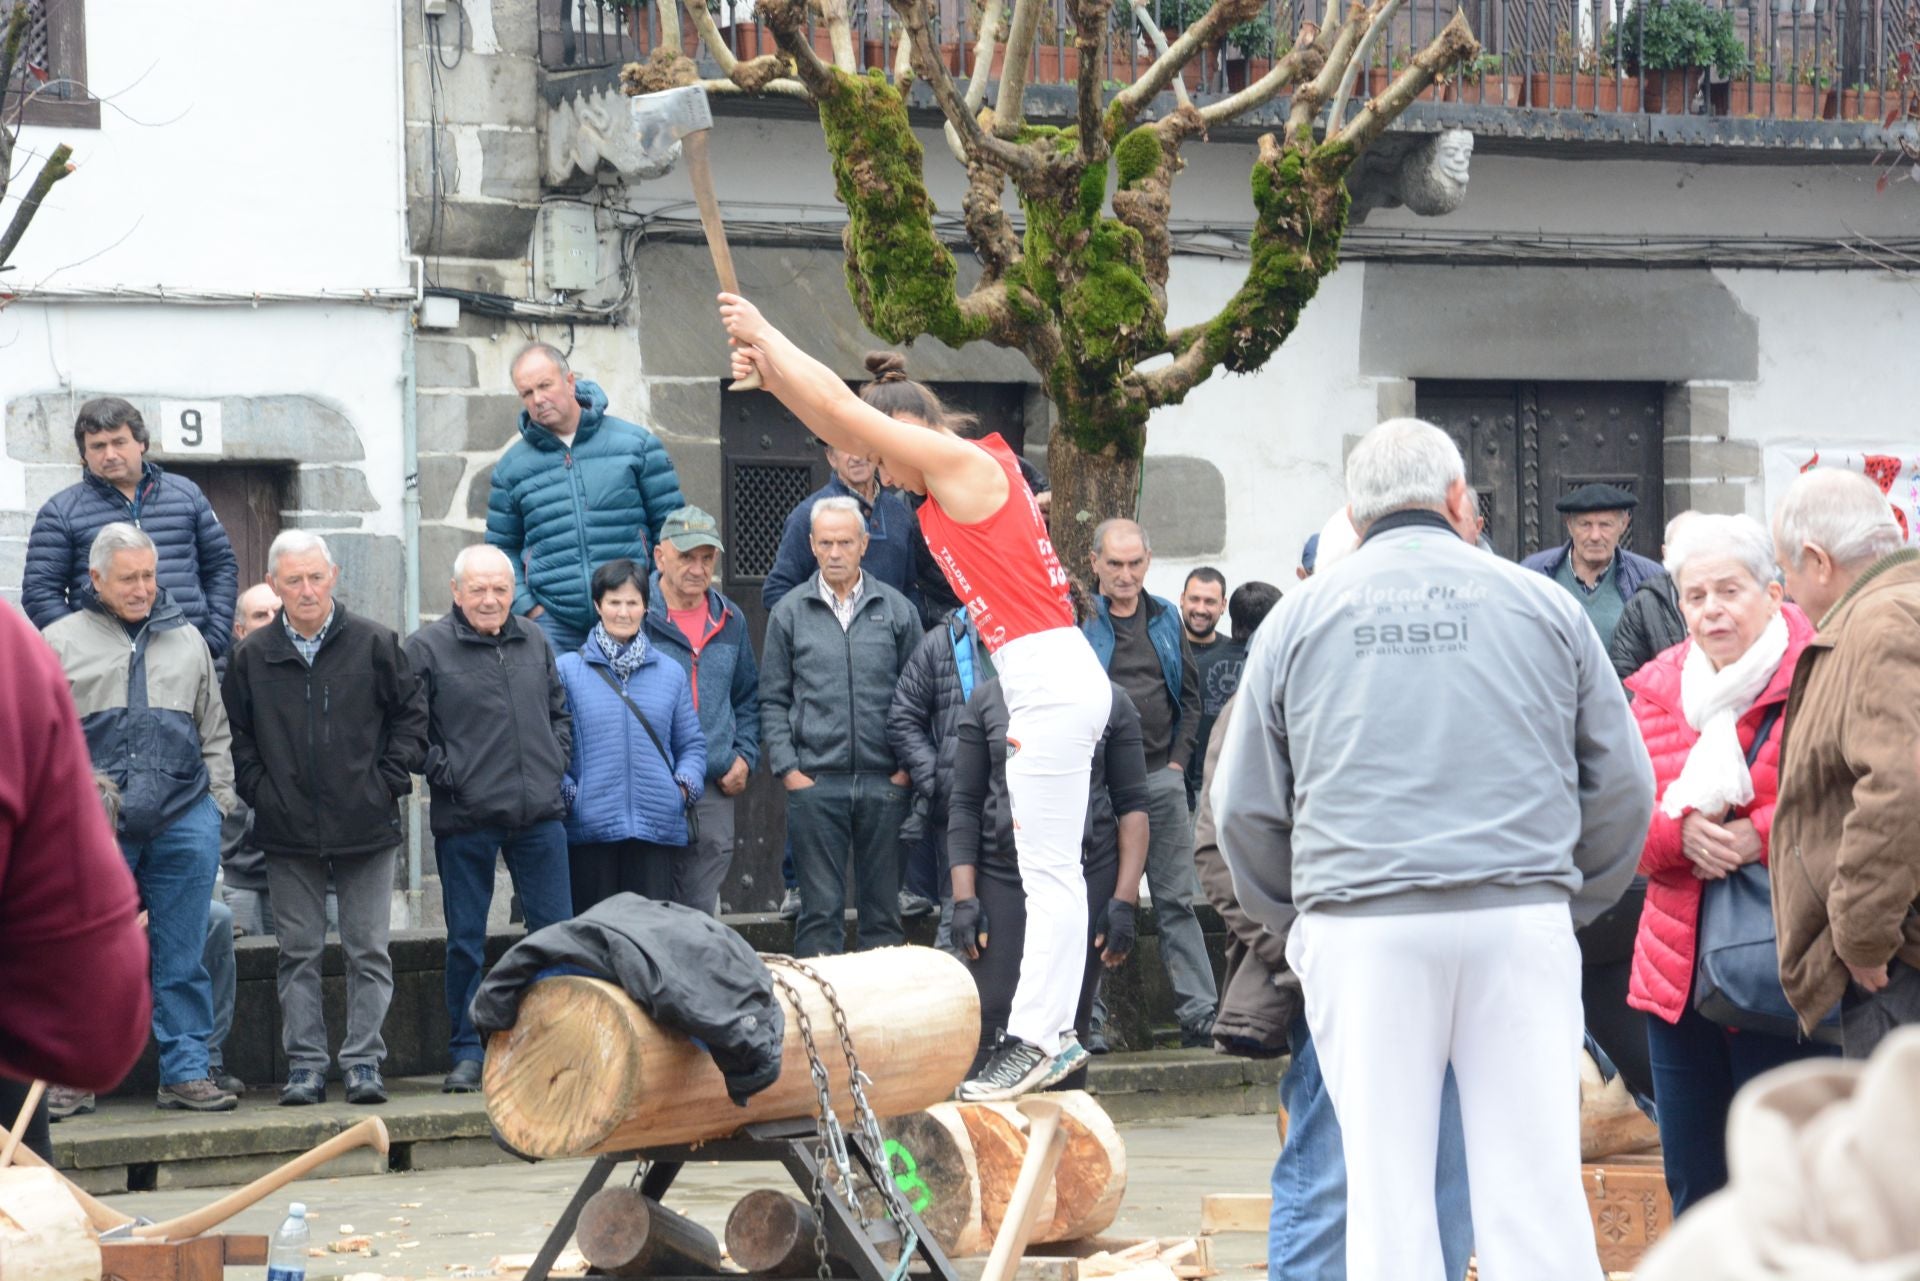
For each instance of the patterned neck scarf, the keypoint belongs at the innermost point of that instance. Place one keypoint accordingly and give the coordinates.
(624, 659)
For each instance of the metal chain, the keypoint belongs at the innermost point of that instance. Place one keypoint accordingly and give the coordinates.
(857, 1080)
(826, 1124)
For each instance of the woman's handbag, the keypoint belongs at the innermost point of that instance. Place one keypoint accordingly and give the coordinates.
(1736, 980)
(686, 803)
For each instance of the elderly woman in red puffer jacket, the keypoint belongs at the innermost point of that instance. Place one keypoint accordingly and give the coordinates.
(1699, 706)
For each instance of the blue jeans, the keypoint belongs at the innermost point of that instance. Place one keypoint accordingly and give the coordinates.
(217, 956)
(174, 870)
(846, 818)
(565, 639)
(1698, 1066)
(1307, 1235)
(537, 860)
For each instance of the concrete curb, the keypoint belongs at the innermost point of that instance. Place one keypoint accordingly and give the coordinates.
(131, 1146)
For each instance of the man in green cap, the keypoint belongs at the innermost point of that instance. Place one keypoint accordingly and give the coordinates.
(1592, 564)
(706, 634)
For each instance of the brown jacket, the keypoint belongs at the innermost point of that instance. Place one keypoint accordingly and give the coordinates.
(1846, 836)
(1259, 997)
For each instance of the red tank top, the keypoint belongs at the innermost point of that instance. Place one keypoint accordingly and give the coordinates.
(1003, 567)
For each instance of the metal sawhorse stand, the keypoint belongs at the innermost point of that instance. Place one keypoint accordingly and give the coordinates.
(792, 1144)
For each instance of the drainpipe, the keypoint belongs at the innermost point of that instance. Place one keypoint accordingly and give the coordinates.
(410, 536)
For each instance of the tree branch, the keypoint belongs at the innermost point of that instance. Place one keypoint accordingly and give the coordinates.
(1377, 23)
(988, 227)
(710, 36)
(1454, 45)
(1337, 43)
(1166, 68)
(780, 86)
(1010, 108)
(839, 34)
(787, 20)
(56, 168)
(1090, 37)
(1303, 61)
(670, 25)
(983, 49)
(975, 141)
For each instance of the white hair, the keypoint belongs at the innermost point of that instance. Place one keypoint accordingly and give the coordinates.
(1741, 538)
(1841, 512)
(837, 503)
(1675, 525)
(296, 542)
(113, 538)
(478, 551)
(1113, 525)
(1402, 463)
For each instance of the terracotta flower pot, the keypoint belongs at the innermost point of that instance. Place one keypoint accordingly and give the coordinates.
(1777, 101)
(1560, 91)
(1491, 91)
(1671, 92)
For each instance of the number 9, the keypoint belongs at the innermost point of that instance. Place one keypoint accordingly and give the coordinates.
(190, 431)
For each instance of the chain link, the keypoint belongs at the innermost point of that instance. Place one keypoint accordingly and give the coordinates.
(827, 1122)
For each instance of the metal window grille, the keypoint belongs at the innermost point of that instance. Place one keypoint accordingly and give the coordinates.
(39, 54)
(1486, 505)
(763, 494)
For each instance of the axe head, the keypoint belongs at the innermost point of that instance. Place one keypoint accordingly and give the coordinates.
(662, 119)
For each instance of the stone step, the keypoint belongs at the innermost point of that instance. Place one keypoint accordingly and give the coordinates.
(130, 1145)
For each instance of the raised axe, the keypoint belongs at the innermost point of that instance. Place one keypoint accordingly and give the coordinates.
(682, 115)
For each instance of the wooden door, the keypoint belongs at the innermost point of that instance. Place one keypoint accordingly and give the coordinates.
(248, 499)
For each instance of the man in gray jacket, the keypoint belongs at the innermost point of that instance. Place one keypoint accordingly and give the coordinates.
(835, 649)
(1436, 904)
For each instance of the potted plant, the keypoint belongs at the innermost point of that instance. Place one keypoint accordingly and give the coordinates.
(1671, 45)
(1251, 48)
(1803, 92)
(1485, 81)
(1580, 79)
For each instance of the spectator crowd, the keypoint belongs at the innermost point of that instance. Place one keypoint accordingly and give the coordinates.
(1666, 753)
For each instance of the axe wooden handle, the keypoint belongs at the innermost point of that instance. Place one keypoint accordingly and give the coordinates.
(700, 174)
(1045, 1142)
(371, 1132)
(21, 1122)
(101, 1215)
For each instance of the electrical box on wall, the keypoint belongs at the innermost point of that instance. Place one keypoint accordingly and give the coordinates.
(569, 249)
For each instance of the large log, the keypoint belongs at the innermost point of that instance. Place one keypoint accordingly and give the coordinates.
(584, 1069)
(43, 1233)
(931, 1161)
(1092, 1177)
(625, 1234)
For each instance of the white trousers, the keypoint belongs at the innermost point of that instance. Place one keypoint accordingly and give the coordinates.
(1496, 991)
(1058, 701)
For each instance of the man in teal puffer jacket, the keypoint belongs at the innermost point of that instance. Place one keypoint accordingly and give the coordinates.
(578, 489)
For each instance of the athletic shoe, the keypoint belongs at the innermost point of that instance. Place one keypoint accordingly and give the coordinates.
(1097, 1043)
(64, 1101)
(364, 1084)
(229, 1082)
(195, 1096)
(1018, 1068)
(790, 905)
(464, 1079)
(304, 1088)
(912, 905)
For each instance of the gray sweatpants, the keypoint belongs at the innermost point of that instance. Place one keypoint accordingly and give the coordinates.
(364, 886)
(701, 868)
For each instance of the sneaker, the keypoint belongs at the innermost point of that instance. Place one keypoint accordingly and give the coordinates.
(364, 1084)
(1018, 1068)
(790, 905)
(202, 1095)
(64, 1101)
(1197, 1037)
(1097, 1043)
(304, 1087)
(912, 905)
(464, 1079)
(228, 1081)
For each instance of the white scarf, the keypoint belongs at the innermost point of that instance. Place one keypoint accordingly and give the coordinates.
(1715, 778)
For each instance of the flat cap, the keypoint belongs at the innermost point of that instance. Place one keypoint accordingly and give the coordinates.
(1597, 498)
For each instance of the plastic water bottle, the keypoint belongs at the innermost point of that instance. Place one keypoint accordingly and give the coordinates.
(287, 1261)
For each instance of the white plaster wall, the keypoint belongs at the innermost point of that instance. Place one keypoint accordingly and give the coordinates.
(241, 146)
(347, 357)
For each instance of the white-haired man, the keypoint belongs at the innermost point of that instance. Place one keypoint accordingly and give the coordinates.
(143, 683)
(1436, 902)
(1846, 832)
(498, 734)
(328, 728)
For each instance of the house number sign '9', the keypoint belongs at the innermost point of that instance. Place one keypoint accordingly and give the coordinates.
(190, 427)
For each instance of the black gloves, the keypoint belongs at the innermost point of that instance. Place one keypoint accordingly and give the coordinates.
(968, 927)
(1115, 935)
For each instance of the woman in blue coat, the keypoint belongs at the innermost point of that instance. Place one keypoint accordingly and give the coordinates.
(629, 784)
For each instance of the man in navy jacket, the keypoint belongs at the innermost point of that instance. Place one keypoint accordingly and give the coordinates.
(197, 566)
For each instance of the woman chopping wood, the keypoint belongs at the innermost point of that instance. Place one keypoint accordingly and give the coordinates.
(991, 543)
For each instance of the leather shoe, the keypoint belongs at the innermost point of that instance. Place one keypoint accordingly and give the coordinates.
(364, 1085)
(304, 1086)
(464, 1079)
(229, 1082)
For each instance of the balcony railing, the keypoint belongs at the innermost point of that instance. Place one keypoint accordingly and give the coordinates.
(1834, 60)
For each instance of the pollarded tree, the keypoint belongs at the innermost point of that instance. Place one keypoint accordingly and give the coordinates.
(1080, 289)
(19, 80)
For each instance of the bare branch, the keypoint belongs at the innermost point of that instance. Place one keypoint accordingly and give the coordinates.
(975, 141)
(988, 227)
(1010, 108)
(787, 20)
(839, 34)
(1090, 38)
(1173, 59)
(56, 168)
(1337, 43)
(670, 26)
(783, 87)
(1302, 62)
(983, 50)
(709, 32)
(1377, 23)
(1455, 44)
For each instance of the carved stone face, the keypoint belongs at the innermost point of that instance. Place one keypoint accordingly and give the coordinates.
(1456, 154)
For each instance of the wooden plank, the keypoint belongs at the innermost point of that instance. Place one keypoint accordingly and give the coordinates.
(1031, 1268)
(245, 1251)
(1235, 1211)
